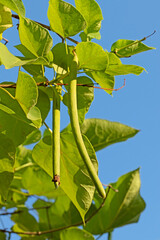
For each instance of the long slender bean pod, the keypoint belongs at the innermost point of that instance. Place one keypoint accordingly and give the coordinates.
(76, 128)
(56, 137)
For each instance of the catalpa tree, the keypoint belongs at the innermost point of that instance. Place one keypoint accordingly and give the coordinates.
(60, 171)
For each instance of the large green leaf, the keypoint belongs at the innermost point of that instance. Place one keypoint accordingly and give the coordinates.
(5, 18)
(61, 58)
(65, 19)
(75, 180)
(14, 122)
(85, 96)
(27, 96)
(15, 5)
(92, 14)
(35, 37)
(7, 154)
(120, 208)
(75, 233)
(91, 56)
(127, 48)
(61, 213)
(123, 69)
(103, 79)
(26, 91)
(24, 221)
(103, 133)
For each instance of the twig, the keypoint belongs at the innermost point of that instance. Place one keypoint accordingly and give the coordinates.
(38, 233)
(45, 84)
(49, 28)
(6, 41)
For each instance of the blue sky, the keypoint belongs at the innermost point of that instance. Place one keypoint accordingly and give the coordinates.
(136, 105)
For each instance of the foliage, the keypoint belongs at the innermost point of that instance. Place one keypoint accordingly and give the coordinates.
(61, 170)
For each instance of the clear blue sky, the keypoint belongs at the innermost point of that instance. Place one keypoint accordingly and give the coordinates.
(136, 105)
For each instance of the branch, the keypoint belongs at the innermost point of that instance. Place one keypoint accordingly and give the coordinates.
(38, 233)
(48, 27)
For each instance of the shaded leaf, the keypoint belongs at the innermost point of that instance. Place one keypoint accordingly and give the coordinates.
(35, 37)
(14, 122)
(91, 56)
(3, 236)
(65, 19)
(7, 154)
(61, 213)
(120, 208)
(127, 48)
(75, 180)
(24, 221)
(61, 58)
(92, 14)
(75, 233)
(33, 137)
(43, 104)
(5, 18)
(103, 133)
(15, 5)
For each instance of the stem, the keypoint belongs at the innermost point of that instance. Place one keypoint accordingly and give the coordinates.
(56, 138)
(110, 236)
(76, 128)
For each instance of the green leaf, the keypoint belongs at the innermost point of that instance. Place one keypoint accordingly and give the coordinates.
(33, 137)
(26, 91)
(61, 58)
(123, 69)
(35, 37)
(85, 96)
(61, 213)
(120, 208)
(2, 236)
(37, 182)
(15, 5)
(43, 104)
(75, 180)
(5, 18)
(103, 79)
(75, 233)
(7, 154)
(27, 96)
(65, 19)
(92, 13)
(24, 222)
(8, 59)
(117, 68)
(14, 122)
(91, 56)
(127, 48)
(103, 133)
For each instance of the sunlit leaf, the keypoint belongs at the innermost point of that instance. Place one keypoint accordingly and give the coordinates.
(91, 56)
(103, 133)
(121, 208)
(5, 18)
(15, 5)
(35, 37)
(123, 69)
(92, 14)
(65, 19)
(76, 233)
(75, 180)
(103, 79)
(127, 48)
